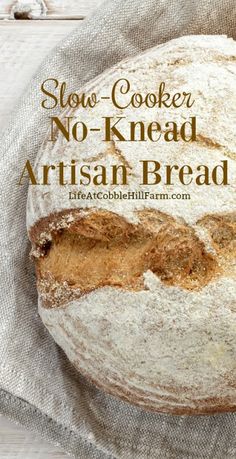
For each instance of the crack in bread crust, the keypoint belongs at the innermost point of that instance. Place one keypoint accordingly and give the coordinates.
(103, 249)
(163, 337)
(210, 143)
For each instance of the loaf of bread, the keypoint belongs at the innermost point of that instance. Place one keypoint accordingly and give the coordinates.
(140, 293)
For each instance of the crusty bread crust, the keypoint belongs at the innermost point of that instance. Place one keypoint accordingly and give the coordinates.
(102, 249)
(141, 295)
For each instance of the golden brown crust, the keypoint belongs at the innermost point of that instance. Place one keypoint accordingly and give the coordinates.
(163, 337)
(102, 248)
(173, 251)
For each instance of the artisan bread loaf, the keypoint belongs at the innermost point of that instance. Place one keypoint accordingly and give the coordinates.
(140, 293)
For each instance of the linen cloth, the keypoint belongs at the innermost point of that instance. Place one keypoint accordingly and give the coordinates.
(39, 387)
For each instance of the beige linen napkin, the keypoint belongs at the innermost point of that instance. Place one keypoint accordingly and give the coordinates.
(39, 387)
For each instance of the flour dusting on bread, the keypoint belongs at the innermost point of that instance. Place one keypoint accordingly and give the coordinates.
(141, 294)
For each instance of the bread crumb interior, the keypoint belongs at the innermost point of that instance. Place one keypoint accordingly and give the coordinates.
(104, 249)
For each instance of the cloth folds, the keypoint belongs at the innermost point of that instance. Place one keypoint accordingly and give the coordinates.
(38, 386)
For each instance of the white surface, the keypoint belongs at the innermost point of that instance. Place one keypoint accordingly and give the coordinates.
(18, 443)
(55, 8)
(23, 45)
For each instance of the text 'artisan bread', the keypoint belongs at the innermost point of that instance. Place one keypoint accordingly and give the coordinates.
(140, 293)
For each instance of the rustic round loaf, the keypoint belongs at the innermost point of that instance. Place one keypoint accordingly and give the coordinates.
(140, 292)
